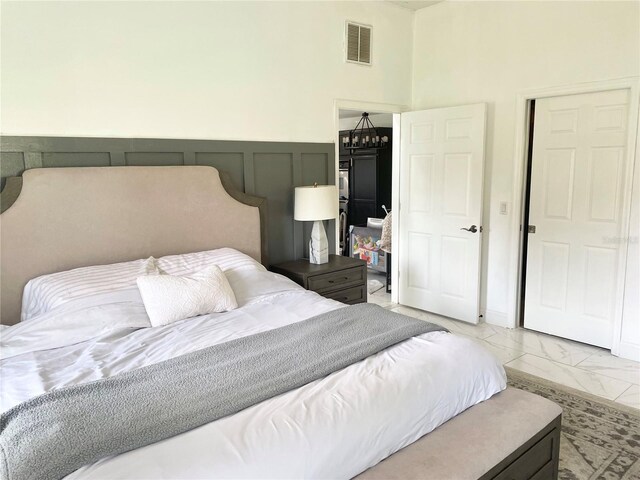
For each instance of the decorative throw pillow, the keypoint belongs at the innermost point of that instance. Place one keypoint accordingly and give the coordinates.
(168, 298)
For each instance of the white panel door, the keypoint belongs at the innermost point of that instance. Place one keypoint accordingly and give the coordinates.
(579, 156)
(441, 170)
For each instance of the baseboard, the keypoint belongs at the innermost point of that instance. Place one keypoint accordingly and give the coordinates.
(499, 319)
(630, 351)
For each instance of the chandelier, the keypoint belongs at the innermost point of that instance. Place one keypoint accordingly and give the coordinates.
(364, 135)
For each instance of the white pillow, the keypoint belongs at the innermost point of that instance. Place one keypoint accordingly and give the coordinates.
(226, 258)
(168, 298)
(47, 292)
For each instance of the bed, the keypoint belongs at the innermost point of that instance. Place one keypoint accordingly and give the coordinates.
(394, 414)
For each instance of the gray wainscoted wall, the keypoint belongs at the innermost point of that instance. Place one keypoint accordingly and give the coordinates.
(266, 169)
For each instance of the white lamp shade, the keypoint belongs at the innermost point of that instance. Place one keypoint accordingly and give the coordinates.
(316, 203)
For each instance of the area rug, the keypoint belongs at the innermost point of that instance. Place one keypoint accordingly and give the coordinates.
(599, 440)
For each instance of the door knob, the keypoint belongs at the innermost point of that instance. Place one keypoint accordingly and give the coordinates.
(472, 229)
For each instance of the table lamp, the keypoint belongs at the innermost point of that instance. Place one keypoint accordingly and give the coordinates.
(317, 203)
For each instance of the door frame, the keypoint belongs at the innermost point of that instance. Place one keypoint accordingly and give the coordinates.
(396, 110)
(519, 167)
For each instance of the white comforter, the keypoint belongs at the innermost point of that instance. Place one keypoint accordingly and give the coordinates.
(335, 427)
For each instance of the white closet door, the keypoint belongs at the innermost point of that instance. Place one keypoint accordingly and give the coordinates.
(579, 157)
(441, 175)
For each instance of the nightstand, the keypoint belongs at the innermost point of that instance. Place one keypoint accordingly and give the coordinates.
(343, 279)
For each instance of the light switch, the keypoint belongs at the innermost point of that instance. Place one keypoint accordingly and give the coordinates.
(504, 208)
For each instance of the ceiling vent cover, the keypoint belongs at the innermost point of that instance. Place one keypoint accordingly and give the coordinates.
(358, 43)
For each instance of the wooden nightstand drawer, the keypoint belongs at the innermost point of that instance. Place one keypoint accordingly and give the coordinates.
(333, 280)
(348, 295)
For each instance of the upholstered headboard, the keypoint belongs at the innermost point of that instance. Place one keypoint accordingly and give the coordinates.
(66, 218)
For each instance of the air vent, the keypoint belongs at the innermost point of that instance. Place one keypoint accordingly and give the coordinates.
(358, 43)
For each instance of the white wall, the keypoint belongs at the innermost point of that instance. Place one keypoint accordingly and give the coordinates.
(211, 70)
(469, 52)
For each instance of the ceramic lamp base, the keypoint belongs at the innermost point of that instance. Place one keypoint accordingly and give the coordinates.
(318, 245)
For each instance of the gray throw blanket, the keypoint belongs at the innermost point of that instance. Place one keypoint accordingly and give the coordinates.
(56, 433)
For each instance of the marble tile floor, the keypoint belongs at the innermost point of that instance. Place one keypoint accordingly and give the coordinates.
(583, 367)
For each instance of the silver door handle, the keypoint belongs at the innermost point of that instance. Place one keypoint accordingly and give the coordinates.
(472, 229)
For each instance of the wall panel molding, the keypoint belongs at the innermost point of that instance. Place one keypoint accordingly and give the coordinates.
(269, 169)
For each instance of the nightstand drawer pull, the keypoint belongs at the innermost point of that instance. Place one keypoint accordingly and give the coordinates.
(344, 279)
(319, 283)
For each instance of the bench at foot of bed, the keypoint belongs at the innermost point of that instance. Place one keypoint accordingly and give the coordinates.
(513, 435)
